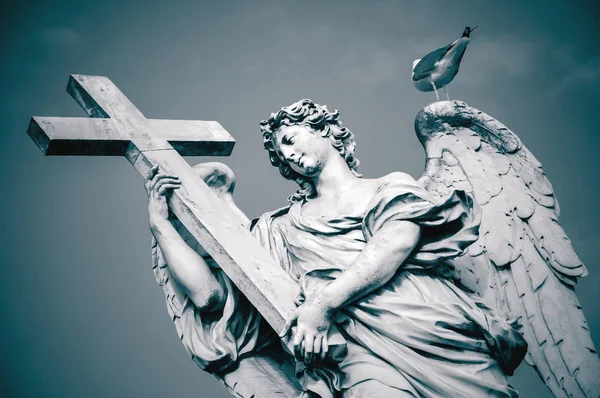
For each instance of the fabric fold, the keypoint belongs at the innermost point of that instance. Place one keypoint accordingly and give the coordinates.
(448, 225)
(216, 340)
(419, 333)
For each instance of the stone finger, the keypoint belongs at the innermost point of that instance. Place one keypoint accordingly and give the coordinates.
(158, 177)
(158, 181)
(166, 180)
(317, 347)
(309, 341)
(302, 349)
(299, 335)
(288, 325)
(298, 341)
(163, 188)
(324, 347)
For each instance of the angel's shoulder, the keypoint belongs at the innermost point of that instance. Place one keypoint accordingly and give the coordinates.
(397, 184)
(396, 177)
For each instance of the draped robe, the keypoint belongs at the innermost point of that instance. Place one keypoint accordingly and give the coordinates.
(418, 333)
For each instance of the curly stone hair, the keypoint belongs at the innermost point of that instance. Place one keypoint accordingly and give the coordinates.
(319, 120)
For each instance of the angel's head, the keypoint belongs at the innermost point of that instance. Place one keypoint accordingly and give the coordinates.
(299, 139)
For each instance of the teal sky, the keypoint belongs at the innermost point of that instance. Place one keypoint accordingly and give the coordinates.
(81, 313)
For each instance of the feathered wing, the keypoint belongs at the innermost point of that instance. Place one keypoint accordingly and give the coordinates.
(427, 63)
(523, 263)
(269, 374)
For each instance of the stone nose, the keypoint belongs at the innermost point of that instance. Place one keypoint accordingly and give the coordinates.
(289, 154)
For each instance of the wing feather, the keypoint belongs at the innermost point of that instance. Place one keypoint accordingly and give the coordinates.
(427, 63)
(523, 263)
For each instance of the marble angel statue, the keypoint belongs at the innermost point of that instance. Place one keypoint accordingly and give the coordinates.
(440, 287)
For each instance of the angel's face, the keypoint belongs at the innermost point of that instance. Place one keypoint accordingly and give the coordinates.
(304, 150)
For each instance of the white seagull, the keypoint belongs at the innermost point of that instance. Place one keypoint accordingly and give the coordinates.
(438, 68)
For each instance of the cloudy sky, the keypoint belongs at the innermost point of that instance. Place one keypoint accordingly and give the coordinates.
(81, 313)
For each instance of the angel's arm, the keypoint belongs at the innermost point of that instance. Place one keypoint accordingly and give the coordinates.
(189, 269)
(377, 263)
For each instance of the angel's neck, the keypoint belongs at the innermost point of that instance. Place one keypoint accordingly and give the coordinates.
(336, 176)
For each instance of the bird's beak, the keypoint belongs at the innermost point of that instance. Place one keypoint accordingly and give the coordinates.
(474, 28)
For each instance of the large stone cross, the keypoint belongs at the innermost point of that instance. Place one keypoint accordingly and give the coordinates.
(118, 128)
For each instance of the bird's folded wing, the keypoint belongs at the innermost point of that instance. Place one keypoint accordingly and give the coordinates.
(427, 63)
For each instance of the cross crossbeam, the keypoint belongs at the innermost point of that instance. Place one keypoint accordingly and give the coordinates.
(62, 136)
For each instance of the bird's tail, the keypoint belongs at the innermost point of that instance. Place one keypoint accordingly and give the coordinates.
(468, 30)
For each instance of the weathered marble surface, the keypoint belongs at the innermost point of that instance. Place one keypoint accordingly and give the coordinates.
(119, 128)
(522, 265)
(196, 206)
(104, 137)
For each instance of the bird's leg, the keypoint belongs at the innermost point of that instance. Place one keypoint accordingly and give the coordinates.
(446, 91)
(437, 96)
